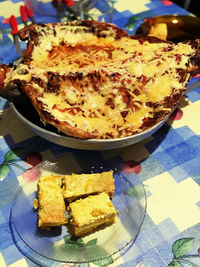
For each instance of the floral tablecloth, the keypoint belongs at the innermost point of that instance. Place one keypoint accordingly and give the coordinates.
(167, 163)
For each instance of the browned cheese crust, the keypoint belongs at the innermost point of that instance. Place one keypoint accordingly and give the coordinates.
(92, 80)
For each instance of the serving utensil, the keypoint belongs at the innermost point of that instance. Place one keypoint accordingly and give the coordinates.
(30, 14)
(24, 16)
(14, 32)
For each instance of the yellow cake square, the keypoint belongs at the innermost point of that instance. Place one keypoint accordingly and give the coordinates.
(51, 205)
(81, 185)
(87, 214)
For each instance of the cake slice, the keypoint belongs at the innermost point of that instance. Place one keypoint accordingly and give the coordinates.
(87, 214)
(51, 205)
(81, 185)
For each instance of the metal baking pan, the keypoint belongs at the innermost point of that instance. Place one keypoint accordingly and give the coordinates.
(51, 135)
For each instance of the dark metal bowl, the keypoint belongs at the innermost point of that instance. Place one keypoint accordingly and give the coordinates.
(31, 119)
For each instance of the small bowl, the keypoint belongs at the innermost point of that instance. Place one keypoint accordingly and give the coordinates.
(180, 27)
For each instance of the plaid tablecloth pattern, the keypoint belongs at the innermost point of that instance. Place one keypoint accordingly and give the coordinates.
(168, 163)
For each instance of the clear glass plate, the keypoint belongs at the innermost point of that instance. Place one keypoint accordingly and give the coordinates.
(129, 199)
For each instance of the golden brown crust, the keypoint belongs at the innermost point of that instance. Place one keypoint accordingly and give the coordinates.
(98, 28)
(4, 69)
(194, 67)
(61, 126)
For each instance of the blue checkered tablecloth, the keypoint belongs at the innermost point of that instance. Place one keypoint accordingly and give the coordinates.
(167, 163)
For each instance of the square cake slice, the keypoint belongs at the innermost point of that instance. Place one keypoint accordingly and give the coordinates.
(51, 210)
(81, 185)
(87, 214)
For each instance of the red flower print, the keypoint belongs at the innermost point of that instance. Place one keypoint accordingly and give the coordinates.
(176, 115)
(6, 21)
(69, 2)
(132, 167)
(167, 2)
(31, 174)
(196, 76)
(33, 158)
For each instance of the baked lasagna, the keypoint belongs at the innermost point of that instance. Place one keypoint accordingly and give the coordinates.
(91, 79)
(81, 185)
(85, 215)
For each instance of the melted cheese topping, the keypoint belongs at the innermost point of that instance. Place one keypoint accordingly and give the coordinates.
(89, 210)
(107, 83)
(68, 48)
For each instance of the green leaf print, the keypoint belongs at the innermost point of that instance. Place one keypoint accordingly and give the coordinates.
(4, 171)
(131, 23)
(74, 242)
(130, 26)
(104, 262)
(100, 252)
(12, 154)
(91, 243)
(112, 1)
(134, 19)
(174, 264)
(7, 31)
(182, 246)
(136, 191)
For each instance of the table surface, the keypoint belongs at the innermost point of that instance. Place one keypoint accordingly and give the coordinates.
(167, 163)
